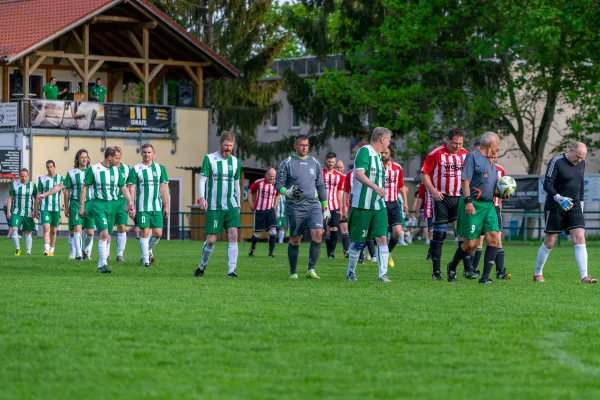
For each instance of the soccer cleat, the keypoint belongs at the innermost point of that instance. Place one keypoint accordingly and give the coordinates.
(503, 275)
(28, 253)
(294, 276)
(391, 263)
(329, 257)
(589, 279)
(470, 274)
(46, 253)
(86, 256)
(146, 265)
(72, 256)
(17, 253)
(351, 277)
(384, 278)
(50, 254)
(333, 256)
(403, 243)
(488, 280)
(251, 253)
(271, 255)
(152, 260)
(436, 276)
(232, 275)
(451, 273)
(79, 258)
(120, 259)
(199, 271)
(361, 259)
(538, 278)
(311, 274)
(345, 253)
(105, 269)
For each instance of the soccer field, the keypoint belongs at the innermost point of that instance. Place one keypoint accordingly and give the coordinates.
(68, 332)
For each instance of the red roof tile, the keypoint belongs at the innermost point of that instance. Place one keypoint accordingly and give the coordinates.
(24, 24)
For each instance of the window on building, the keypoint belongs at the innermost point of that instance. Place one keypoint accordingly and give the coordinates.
(295, 120)
(273, 120)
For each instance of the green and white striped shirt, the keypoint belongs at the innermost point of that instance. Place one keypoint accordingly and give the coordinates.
(125, 171)
(148, 180)
(106, 181)
(52, 202)
(74, 182)
(281, 207)
(363, 196)
(222, 179)
(23, 195)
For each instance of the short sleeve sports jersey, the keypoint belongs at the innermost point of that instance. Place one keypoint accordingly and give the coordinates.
(363, 196)
(427, 206)
(482, 176)
(221, 176)
(334, 182)
(52, 202)
(23, 195)
(348, 187)
(126, 172)
(51, 91)
(74, 182)
(501, 173)
(106, 181)
(148, 180)
(265, 194)
(445, 169)
(394, 181)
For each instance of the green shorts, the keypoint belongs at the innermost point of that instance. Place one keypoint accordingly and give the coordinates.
(50, 217)
(367, 224)
(484, 220)
(217, 220)
(104, 214)
(26, 224)
(75, 220)
(121, 216)
(149, 219)
(282, 222)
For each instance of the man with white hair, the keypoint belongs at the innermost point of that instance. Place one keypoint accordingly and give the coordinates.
(564, 186)
(477, 213)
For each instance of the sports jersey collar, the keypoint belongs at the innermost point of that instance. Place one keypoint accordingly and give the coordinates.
(146, 166)
(300, 158)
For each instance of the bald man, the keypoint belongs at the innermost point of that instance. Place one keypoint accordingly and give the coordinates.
(263, 200)
(563, 210)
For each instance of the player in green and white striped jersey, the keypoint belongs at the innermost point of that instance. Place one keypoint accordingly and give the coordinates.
(150, 190)
(281, 219)
(49, 207)
(219, 195)
(121, 218)
(107, 182)
(21, 211)
(368, 217)
(72, 184)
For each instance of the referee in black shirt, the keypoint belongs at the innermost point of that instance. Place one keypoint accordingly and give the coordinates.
(564, 207)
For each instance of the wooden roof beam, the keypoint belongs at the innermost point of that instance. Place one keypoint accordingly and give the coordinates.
(136, 43)
(114, 18)
(176, 63)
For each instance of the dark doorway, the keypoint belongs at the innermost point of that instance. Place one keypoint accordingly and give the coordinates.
(175, 219)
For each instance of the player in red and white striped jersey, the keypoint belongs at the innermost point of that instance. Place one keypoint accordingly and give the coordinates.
(263, 199)
(339, 166)
(395, 191)
(334, 183)
(441, 173)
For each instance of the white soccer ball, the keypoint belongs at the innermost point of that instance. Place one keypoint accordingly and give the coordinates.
(507, 185)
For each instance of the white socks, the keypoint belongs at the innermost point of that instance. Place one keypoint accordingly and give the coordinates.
(15, 239)
(76, 244)
(383, 255)
(542, 256)
(121, 242)
(52, 250)
(281, 236)
(88, 244)
(581, 257)
(46, 247)
(153, 242)
(353, 256)
(72, 245)
(206, 252)
(102, 252)
(144, 247)
(232, 256)
(28, 243)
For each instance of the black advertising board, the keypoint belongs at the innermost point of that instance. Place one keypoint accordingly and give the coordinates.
(10, 164)
(138, 118)
(526, 197)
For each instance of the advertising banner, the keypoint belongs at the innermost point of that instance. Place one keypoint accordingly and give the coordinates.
(139, 118)
(8, 114)
(74, 115)
(10, 164)
(526, 197)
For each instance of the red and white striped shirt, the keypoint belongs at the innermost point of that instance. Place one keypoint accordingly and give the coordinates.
(348, 186)
(427, 203)
(334, 182)
(501, 173)
(394, 181)
(445, 169)
(266, 194)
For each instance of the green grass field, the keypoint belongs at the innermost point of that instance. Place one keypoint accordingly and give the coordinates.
(67, 332)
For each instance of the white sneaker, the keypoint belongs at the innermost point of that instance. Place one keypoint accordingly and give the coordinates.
(403, 243)
(72, 256)
(374, 259)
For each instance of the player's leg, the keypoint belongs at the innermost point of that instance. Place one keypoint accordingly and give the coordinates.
(440, 225)
(232, 222)
(272, 227)
(345, 236)
(358, 224)
(54, 223)
(156, 225)
(394, 240)
(214, 226)
(297, 226)
(16, 222)
(71, 243)
(28, 228)
(371, 249)
(121, 220)
(328, 239)
(314, 222)
(45, 218)
(334, 225)
(88, 228)
(489, 226)
(103, 219)
(378, 230)
(469, 227)
(553, 227)
(77, 229)
(476, 256)
(258, 228)
(581, 256)
(142, 220)
(501, 272)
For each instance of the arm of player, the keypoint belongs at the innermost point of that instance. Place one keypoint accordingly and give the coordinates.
(52, 191)
(417, 203)
(362, 178)
(130, 208)
(82, 196)
(320, 185)
(67, 198)
(566, 203)
(404, 197)
(281, 178)
(164, 193)
(275, 204)
(202, 192)
(238, 191)
(36, 207)
(466, 188)
(436, 194)
(9, 208)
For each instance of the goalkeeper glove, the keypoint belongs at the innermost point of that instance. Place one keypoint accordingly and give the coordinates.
(293, 193)
(326, 216)
(565, 203)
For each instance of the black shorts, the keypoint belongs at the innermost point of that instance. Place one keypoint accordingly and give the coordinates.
(335, 220)
(445, 211)
(299, 222)
(499, 214)
(558, 221)
(394, 213)
(429, 223)
(264, 220)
